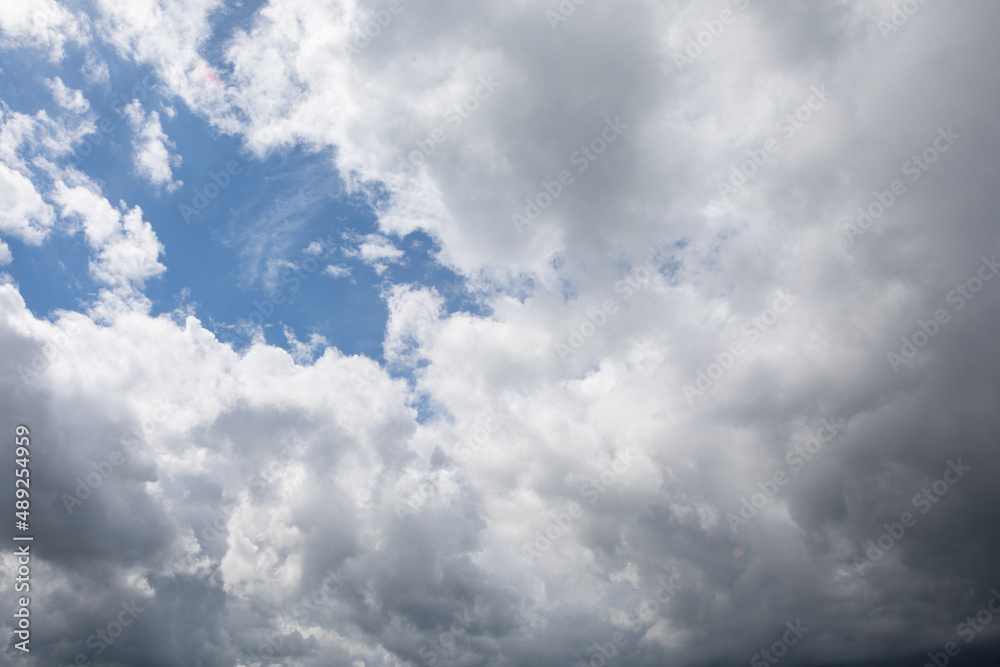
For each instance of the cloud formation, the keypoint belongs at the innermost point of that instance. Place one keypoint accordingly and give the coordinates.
(153, 159)
(698, 397)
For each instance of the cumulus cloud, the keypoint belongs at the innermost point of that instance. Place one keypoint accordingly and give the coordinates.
(45, 24)
(337, 271)
(67, 97)
(672, 425)
(153, 157)
(168, 37)
(375, 250)
(23, 213)
(95, 70)
(126, 246)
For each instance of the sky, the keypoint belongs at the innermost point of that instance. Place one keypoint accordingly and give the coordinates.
(534, 333)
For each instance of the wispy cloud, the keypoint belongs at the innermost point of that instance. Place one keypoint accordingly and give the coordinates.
(154, 160)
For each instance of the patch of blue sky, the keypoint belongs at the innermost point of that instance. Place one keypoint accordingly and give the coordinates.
(250, 238)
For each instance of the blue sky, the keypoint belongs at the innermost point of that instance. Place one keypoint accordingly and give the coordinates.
(218, 259)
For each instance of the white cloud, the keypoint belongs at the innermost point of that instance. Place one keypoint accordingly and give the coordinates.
(23, 213)
(413, 318)
(67, 98)
(672, 314)
(153, 159)
(337, 271)
(304, 352)
(32, 144)
(168, 37)
(126, 245)
(375, 250)
(173, 483)
(44, 24)
(5, 256)
(95, 70)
